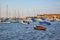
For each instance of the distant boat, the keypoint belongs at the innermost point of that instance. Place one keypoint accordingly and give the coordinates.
(45, 23)
(6, 22)
(43, 18)
(25, 21)
(58, 20)
(22, 22)
(5, 19)
(14, 21)
(33, 19)
(39, 20)
(0, 19)
(52, 20)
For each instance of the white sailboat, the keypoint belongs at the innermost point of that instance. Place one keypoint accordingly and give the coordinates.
(7, 16)
(0, 13)
(23, 20)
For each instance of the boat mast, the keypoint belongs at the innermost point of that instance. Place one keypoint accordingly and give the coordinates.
(0, 9)
(22, 13)
(14, 13)
(18, 13)
(7, 15)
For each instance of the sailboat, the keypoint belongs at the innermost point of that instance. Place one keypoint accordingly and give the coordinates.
(21, 20)
(5, 20)
(24, 20)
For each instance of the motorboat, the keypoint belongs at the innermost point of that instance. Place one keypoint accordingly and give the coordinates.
(23, 22)
(6, 22)
(26, 21)
(57, 19)
(13, 20)
(39, 20)
(5, 19)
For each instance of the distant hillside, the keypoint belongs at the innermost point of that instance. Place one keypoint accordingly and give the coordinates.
(49, 16)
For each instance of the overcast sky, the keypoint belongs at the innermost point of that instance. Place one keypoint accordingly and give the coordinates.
(28, 7)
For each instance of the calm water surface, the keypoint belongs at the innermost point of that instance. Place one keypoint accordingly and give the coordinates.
(18, 31)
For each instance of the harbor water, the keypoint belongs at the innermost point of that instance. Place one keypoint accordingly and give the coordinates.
(18, 31)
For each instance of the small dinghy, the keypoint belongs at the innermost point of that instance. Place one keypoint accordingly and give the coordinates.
(39, 28)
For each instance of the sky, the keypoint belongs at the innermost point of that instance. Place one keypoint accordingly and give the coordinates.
(29, 7)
